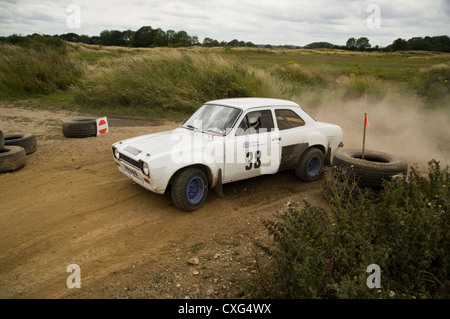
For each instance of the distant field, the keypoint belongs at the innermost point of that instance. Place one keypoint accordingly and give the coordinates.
(172, 83)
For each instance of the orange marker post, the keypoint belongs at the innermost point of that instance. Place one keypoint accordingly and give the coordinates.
(366, 124)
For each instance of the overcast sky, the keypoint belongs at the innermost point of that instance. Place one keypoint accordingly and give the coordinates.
(277, 22)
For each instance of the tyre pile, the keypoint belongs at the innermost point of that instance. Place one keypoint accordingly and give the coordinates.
(14, 149)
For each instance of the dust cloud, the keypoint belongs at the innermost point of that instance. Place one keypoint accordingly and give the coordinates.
(402, 128)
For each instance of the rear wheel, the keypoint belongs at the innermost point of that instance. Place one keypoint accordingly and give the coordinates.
(189, 189)
(310, 165)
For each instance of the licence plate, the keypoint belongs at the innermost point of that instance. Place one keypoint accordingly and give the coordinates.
(130, 171)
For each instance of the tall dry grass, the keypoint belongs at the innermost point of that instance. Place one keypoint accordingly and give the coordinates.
(172, 82)
(33, 67)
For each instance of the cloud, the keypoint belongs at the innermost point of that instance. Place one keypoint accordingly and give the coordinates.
(264, 21)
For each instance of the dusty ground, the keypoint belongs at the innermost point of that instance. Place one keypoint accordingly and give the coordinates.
(71, 205)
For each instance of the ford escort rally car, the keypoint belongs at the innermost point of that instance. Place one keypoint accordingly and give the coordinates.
(225, 141)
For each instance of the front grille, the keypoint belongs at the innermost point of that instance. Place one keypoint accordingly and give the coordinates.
(130, 161)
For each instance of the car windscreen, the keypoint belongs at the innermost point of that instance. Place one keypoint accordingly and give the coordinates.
(213, 119)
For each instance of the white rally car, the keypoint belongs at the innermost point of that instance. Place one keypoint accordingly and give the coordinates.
(225, 141)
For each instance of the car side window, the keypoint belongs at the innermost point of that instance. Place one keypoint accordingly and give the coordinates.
(287, 119)
(256, 122)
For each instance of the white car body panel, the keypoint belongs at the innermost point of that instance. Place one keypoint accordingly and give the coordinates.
(226, 158)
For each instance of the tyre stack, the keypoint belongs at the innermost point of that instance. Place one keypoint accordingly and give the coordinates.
(14, 149)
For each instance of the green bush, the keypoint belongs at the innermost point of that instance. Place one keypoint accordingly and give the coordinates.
(405, 229)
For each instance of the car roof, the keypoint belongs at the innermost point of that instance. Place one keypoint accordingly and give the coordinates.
(251, 102)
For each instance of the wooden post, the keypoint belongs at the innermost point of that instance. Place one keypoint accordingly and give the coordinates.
(366, 123)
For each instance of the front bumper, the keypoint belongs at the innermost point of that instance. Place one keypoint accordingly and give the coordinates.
(134, 170)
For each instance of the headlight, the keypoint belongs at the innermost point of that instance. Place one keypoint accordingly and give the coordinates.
(116, 153)
(145, 169)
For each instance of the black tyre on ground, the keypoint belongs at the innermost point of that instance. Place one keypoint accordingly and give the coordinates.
(26, 140)
(2, 141)
(310, 165)
(373, 169)
(189, 189)
(80, 127)
(12, 158)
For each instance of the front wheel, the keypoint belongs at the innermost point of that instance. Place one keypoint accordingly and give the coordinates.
(189, 189)
(310, 165)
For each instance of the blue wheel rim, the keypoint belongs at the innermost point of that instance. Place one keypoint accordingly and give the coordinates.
(314, 166)
(195, 190)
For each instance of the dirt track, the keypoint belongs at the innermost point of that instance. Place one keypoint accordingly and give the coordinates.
(71, 205)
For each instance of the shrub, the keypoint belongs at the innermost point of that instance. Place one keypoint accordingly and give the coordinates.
(405, 229)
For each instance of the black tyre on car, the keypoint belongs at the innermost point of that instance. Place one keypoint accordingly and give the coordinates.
(80, 127)
(310, 165)
(12, 158)
(375, 168)
(26, 140)
(189, 189)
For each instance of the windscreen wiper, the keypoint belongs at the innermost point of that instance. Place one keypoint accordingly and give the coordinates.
(191, 127)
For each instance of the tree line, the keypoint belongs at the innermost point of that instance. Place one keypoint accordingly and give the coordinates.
(437, 43)
(147, 37)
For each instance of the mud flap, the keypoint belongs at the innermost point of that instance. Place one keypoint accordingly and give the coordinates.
(218, 188)
(327, 161)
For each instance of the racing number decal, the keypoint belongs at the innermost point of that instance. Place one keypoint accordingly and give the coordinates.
(250, 160)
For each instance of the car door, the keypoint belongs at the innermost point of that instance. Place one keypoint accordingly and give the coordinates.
(291, 128)
(253, 148)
